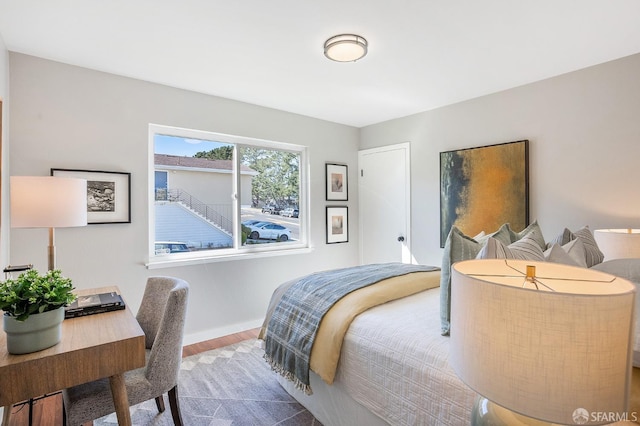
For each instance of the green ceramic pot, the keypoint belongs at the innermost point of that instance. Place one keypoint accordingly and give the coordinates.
(37, 332)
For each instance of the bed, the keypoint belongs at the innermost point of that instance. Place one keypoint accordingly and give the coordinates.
(391, 365)
(393, 361)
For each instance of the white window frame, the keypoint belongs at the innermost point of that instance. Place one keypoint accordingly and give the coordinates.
(238, 251)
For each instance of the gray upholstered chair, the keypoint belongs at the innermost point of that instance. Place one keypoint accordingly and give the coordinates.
(161, 317)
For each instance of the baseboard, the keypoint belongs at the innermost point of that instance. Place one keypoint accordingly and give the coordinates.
(214, 333)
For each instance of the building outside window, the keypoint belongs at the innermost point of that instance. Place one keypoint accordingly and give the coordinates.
(216, 195)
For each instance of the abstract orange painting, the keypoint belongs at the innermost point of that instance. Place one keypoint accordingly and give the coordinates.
(482, 188)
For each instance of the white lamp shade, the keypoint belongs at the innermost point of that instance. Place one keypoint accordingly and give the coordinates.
(618, 243)
(48, 202)
(540, 353)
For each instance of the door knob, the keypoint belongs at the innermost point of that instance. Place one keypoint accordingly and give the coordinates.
(401, 238)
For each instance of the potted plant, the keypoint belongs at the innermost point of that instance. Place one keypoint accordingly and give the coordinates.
(33, 306)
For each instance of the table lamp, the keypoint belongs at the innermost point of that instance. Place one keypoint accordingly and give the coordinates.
(555, 347)
(618, 243)
(48, 202)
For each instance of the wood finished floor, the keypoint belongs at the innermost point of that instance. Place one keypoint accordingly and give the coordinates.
(48, 411)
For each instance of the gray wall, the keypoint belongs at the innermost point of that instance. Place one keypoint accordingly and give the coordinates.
(584, 133)
(4, 169)
(583, 127)
(68, 117)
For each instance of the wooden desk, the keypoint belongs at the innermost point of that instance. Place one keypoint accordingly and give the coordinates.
(92, 347)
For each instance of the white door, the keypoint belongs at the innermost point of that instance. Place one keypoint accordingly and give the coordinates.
(385, 204)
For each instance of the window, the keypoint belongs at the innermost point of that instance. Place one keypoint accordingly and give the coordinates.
(215, 196)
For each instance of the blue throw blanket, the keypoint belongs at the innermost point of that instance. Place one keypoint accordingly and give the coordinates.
(295, 320)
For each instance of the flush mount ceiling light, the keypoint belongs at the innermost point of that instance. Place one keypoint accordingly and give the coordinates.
(345, 48)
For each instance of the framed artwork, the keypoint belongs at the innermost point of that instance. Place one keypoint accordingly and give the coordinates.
(337, 182)
(108, 194)
(337, 225)
(482, 188)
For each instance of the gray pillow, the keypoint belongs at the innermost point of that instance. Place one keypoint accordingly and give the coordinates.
(593, 255)
(592, 252)
(460, 247)
(533, 226)
(526, 248)
(562, 239)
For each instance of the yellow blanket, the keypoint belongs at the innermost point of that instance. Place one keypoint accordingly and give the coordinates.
(328, 343)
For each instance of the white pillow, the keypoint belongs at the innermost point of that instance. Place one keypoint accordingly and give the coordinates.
(556, 254)
(576, 250)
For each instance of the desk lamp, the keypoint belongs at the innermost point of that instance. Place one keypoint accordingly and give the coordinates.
(618, 243)
(542, 342)
(48, 202)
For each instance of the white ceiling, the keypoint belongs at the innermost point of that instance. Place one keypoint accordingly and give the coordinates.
(423, 54)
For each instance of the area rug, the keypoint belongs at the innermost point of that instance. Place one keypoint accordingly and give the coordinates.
(229, 386)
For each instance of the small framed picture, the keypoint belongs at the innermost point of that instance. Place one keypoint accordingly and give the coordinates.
(337, 225)
(108, 194)
(337, 185)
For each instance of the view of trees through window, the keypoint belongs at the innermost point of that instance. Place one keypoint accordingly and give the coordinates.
(278, 178)
(194, 194)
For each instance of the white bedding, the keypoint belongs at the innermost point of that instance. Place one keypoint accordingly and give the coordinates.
(394, 363)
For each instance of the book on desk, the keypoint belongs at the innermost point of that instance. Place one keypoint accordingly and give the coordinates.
(94, 304)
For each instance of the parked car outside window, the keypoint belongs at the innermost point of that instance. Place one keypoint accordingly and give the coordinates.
(166, 247)
(271, 209)
(251, 222)
(269, 231)
(289, 212)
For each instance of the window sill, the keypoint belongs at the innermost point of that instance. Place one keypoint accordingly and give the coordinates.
(171, 261)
